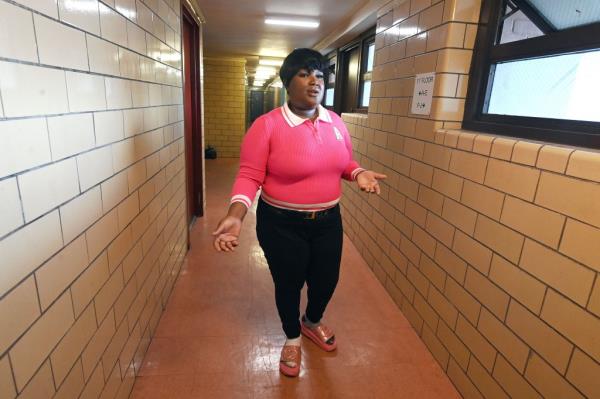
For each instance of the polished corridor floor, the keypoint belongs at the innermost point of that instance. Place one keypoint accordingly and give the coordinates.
(220, 335)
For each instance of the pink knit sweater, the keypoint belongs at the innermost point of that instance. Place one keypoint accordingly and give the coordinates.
(297, 162)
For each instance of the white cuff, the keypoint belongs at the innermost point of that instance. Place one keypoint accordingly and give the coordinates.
(355, 172)
(241, 198)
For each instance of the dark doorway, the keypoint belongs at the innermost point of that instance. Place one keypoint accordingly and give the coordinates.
(351, 72)
(192, 113)
(257, 104)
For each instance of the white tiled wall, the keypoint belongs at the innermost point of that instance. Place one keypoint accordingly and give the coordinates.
(10, 208)
(45, 188)
(47, 7)
(60, 45)
(16, 22)
(27, 138)
(103, 56)
(82, 14)
(92, 198)
(70, 134)
(29, 90)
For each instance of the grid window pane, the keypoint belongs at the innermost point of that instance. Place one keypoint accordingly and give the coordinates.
(329, 93)
(370, 57)
(557, 87)
(564, 14)
(542, 16)
(366, 93)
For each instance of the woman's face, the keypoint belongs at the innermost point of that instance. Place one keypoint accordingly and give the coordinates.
(305, 90)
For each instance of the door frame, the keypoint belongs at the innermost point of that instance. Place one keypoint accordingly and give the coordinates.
(193, 122)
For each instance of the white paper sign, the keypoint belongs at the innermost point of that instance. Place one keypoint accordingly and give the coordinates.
(423, 94)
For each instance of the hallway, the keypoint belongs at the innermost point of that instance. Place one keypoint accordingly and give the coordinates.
(220, 336)
(475, 273)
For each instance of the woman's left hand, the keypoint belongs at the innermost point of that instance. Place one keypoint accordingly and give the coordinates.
(367, 181)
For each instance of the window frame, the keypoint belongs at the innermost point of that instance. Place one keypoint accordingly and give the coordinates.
(364, 74)
(341, 54)
(333, 58)
(344, 57)
(487, 54)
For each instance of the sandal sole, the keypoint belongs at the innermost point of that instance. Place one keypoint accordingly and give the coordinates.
(314, 338)
(289, 371)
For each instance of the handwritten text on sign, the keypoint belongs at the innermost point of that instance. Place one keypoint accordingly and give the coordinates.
(421, 103)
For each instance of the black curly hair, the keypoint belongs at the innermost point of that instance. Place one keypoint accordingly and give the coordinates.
(302, 58)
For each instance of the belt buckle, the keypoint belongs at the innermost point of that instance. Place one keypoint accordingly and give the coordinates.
(311, 215)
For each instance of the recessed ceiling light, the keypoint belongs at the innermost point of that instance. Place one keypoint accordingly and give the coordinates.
(300, 23)
(270, 62)
(266, 70)
(263, 74)
(262, 77)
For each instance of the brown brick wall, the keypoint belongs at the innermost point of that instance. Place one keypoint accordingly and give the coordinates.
(489, 245)
(224, 105)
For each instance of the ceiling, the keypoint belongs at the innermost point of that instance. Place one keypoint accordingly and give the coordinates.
(235, 28)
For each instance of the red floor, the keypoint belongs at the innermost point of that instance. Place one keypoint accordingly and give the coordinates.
(220, 335)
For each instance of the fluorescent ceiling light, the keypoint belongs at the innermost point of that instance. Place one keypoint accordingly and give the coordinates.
(266, 70)
(292, 22)
(263, 74)
(263, 61)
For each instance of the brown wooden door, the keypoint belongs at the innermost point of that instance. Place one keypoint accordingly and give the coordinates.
(192, 113)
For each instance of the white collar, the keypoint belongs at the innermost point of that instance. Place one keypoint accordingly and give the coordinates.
(294, 120)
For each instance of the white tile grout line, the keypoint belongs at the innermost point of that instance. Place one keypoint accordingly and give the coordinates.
(95, 35)
(67, 91)
(132, 108)
(84, 192)
(100, 20)
(66, 69)
(49, 142)
(1, 103)
(40, 166)
(89, 304)
(37, 47)
(21, 206)
(84, 232)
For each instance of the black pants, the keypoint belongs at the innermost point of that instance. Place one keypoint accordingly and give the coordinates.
(300, 250)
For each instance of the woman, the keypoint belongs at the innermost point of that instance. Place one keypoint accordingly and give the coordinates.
(297, 154)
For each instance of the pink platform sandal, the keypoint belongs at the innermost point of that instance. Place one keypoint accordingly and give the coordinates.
(290, 355)
(320, 335)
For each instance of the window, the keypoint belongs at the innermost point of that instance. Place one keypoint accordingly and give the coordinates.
(369, 50)
(535, 71)
(348, 88)
(351, 78)
(330, 84)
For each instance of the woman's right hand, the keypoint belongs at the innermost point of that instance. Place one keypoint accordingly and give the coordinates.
(227, 233)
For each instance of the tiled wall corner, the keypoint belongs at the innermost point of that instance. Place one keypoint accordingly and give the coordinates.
(489, 245)
(92, 190)
(224, 105)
